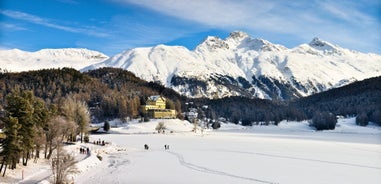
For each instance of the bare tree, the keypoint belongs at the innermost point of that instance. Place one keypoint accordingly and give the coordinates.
(62, 164)
(77, 111)
(160, 127)
(57, 130)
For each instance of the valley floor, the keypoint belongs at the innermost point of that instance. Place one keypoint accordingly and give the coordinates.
(289, 153)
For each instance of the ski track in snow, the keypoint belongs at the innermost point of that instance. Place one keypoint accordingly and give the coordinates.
(303, 159)
(115, 162)
(358, 148)
(212, 171)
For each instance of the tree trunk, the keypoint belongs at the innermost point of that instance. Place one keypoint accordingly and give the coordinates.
(45, 151)
(5, 169)
(25, 158)
(37, 152)
(13, 164)
(50, 152)
(2, 164)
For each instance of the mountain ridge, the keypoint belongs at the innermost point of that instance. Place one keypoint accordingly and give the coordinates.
(252, 67)
(238, 65)
(16, 60)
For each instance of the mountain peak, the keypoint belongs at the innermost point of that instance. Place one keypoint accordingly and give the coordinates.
(212, 43)
(319, 44)
(238, 35)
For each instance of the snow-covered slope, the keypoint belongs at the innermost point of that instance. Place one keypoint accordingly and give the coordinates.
(241, 65)
(16, 60)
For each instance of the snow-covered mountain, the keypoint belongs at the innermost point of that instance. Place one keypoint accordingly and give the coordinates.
(252, 67)
(17, 60)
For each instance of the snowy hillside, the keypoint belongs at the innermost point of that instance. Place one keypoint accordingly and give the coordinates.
(242, 65)
(16, 60)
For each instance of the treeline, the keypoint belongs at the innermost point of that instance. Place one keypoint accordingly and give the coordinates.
(361, 99)
(116, 93)
(250, 111)
(30, 126)
(109, 92)
(39, 110)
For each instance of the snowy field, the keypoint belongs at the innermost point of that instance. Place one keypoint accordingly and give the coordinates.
(289, 153)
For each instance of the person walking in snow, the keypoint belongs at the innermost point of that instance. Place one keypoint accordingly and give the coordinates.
(166, 146)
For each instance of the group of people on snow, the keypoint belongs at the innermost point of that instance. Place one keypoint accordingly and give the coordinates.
(166, 147)
(83, 150)
(99, 142)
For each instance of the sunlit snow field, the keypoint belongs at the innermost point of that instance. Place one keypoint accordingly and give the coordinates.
(289, 153)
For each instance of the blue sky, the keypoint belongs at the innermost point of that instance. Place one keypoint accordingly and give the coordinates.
(111, 26)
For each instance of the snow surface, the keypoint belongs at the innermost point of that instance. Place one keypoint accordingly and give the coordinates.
(17, 60)
(289, 153)
(314, 65)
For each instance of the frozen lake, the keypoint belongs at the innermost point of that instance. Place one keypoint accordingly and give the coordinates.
(239, 156)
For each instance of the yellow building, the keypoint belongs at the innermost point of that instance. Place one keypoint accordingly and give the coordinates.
(155, 108)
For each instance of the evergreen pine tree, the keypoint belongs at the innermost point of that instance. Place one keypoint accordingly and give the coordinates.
(21, 107)
(362, 119)
(11, 145)
(106, 126)
(40, 118)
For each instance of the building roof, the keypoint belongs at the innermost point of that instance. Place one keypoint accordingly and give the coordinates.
(155, 97)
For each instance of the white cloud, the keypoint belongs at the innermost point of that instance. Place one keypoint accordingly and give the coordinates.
(13, 27)
(93, 31)
(340, 20)
(347, 11)
(211, 12)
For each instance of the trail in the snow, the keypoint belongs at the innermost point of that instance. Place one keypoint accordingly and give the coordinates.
(212, 171)
(304, 159)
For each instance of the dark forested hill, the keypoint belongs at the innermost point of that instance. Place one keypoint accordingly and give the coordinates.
(117, 93)
(356, 98)
(109, 92)
(362, 97)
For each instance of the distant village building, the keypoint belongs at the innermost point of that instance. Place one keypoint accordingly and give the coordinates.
(191, 114)
(155, 108)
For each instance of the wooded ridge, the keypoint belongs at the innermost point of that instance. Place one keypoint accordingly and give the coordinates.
(116, 93)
